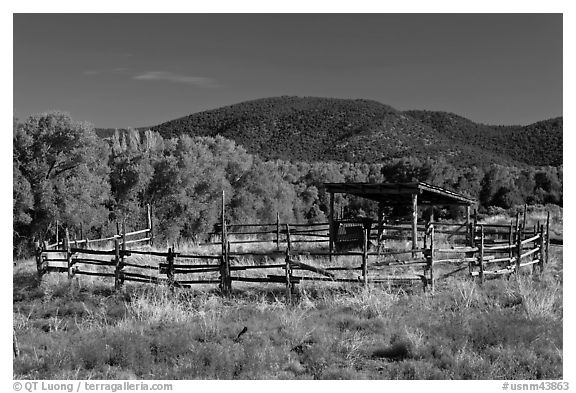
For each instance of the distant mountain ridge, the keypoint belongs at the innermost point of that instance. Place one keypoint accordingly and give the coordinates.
(327, 129)
(535, 144)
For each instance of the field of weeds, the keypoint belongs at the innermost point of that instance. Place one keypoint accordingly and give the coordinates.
(83, 329)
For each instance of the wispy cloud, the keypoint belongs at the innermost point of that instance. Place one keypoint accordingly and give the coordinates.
(117, 70)
(198, 81)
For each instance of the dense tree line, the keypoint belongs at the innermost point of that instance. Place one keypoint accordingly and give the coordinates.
(63, 171)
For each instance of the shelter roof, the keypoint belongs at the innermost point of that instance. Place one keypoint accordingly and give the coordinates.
(398, 193)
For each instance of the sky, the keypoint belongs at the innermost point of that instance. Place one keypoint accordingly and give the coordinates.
(138, 70)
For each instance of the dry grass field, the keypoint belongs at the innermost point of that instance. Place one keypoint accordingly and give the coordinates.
(83, 329)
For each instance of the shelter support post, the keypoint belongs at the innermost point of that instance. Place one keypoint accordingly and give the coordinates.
(380, 222)
(414, 221)
(331, 224)
(468, 232)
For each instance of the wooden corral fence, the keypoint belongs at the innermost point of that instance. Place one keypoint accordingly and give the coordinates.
(72, 257)
(483, 250)
(251, 233)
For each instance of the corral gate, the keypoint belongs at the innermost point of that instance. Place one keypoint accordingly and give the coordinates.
(350, 233)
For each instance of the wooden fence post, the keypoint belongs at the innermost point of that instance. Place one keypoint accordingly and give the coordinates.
(57, 240)
(365, 257)
(170, 270)
(117, 263)
(467, 224)
(331, 227)
(15, 346)
(472, 244)
(481, 254)
(431, 260)
(518, 250)
(474, 225)
(123, 254)
(225, 268)
(38, 253)
(278, 231)
(287, 267)
(542, 250)
(44, 246)
(149, 224)
(223, 274)
(510, 241)
(228, 275)
(524, 221)
(68, 253)
(225, 282)
(414, 223)
(547, 237)
(475, 218)
(288, 239)
(223, 247)
(380, 224)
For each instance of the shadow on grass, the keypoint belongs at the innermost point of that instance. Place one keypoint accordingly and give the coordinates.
(26, 286)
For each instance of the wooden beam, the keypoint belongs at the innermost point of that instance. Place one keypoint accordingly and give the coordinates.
(469, 237)
(170, 267)
(365, 257)
(315, 269)
(481, 254)
(278, 231)
(431, 259)
(150, 224)
(414, 221)
(380, 222)
(542, 249)
(288, 275)
(226, 284)
(510, 240)
(518, 251)
(117, 262)
(68, 254)
(331, 224)
(547, 237)
(38, 252)
(123, 253)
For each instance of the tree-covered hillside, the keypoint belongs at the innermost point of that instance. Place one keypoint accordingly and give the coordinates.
(535, 144)
(314, 129)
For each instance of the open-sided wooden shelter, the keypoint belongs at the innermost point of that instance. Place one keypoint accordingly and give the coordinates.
(395, 194)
